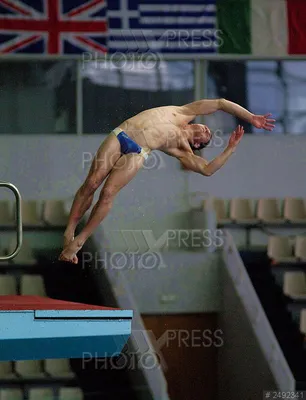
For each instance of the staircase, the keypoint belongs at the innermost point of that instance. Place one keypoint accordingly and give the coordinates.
(275, 303)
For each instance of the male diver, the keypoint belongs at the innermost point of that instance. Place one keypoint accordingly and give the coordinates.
(122, 154)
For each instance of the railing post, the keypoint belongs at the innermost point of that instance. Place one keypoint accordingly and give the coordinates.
(18, 220)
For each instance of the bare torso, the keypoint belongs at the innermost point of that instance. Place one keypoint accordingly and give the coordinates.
(158, 128)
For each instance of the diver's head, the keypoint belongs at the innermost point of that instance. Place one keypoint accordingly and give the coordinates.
(200, 136)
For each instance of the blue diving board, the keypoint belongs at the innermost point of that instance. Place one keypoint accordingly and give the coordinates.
(37, 328)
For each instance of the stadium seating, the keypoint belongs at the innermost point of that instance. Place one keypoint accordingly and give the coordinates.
(25, 255)
(300, 248)
(6, 370)
(280, 249)
(58, 368)
(221, 210)
(32, 285)
(68, 393)
(3, 252)
(8, 285)
(30, 213)
(6, 217)
(294, 210)
(268, 211)
(11, 394)
(30, 369)
(54, 213)
(241, 211)
(41, 394)
(295, 284)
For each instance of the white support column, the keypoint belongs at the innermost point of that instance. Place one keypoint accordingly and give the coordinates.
(79, 99)
(197, 79)
(204, 84)
(204, 65)
(199, 84)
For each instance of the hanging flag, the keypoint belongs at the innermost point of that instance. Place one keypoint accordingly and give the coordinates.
(262, 27)
(258, 27)
(175, 26)
(52, 26)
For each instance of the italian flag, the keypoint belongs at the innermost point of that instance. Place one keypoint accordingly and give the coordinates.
(262, 27)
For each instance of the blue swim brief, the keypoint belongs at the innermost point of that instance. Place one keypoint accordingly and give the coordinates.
(127, 144)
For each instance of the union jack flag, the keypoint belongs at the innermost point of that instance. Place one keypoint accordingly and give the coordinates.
(53, 26)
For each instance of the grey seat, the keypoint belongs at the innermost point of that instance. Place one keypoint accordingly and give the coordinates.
(11, 394)
(241, 211)
(295, 284)
(268, 211)
(294, 210)
(30, 369)
(69, 393)
(32, 285)
(59, 368)
(280, 249)
(54, 213)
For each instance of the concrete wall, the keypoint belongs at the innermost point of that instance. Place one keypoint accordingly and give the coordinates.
(262, 166)
(185, 283)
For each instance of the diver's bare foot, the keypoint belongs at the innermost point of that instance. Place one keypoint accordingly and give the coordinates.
(69, 253)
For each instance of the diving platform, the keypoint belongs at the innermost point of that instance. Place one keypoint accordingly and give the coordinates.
(37, 328)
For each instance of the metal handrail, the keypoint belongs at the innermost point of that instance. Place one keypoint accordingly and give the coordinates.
(18, 220)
